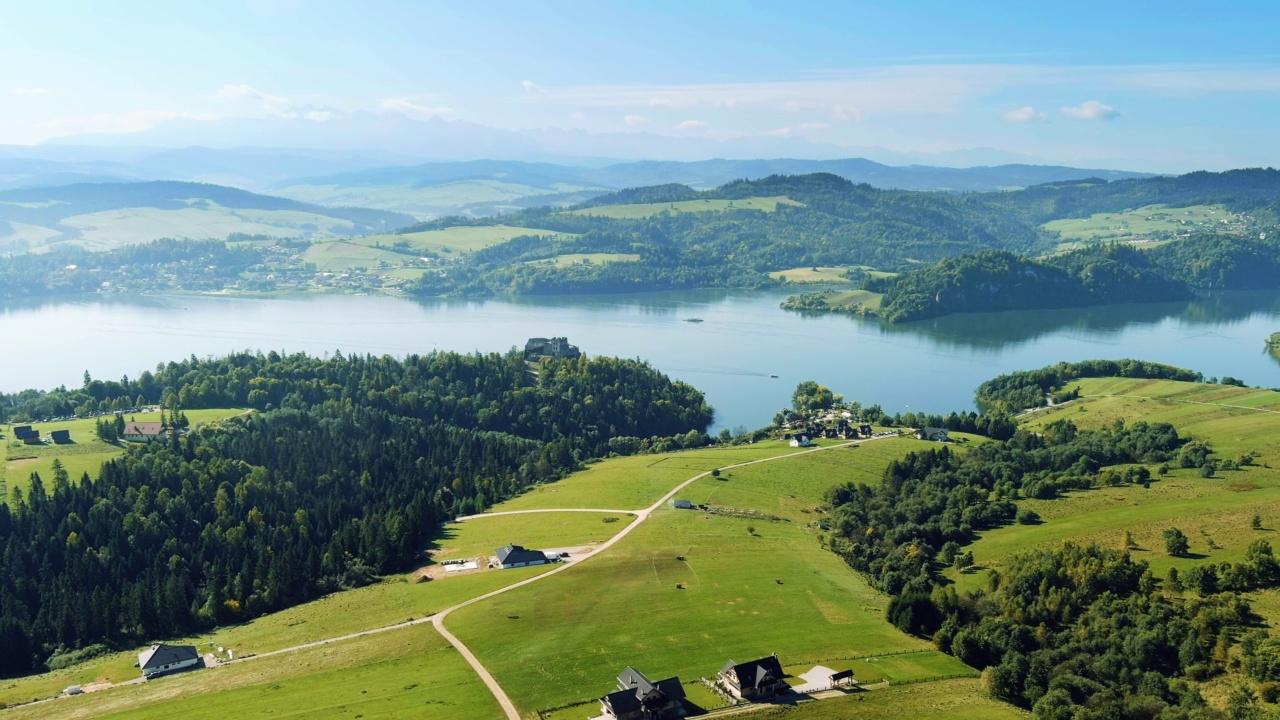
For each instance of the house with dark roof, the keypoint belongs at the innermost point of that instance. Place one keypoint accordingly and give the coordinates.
(936, 434)
(638, 698)
(682, 504)
(165, 659)
(514, 556)
(143, 431)
(754, 680)
(61, 437)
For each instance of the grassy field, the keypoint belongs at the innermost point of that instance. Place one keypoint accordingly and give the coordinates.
(644, 210)
(404, 673)
(481, 536)
(343, 256)
(744, 594)
(823, 274)
(635, 482)
(961, 699)
(1215, 513)
(450, 241)
(568, 260)
(113, 228)
(1153, 222)
(85, 454)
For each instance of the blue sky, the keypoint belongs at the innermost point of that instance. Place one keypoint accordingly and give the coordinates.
(1177, 86)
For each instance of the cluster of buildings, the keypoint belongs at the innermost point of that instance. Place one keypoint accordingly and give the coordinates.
(557, 347)
(639, 698)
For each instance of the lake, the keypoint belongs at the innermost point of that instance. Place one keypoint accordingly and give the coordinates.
(743, 339)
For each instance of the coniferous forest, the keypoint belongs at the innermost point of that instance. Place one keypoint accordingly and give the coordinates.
(346, 470)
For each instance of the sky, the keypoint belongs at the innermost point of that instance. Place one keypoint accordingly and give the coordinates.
(1168, 86)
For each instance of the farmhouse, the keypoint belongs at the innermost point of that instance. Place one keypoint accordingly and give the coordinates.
(143, 431)
(753, 680)
(936, 434)
(801, 441)
(165, 659)
(514, 556)
(637, 697)
(550, 347)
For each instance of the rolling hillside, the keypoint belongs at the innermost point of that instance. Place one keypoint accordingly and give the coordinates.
(101, 216)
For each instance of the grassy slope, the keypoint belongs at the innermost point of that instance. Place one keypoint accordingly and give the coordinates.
(1141, 224)
(455, 240)
(644, 210)
(85, 454)
(559, 642)
(1218, 508)
(544, 530)
(113, 228)
(577, 258)
(403, 673)
(947, 700)
(341, 256)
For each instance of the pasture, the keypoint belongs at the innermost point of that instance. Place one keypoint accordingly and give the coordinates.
(410, 672)
(959, 699)
(824, 274)
(1215, 512)
(643, 210)
(113, 228)
(748, 587)
(85, 454)
(481, 536)
(1150, 223)
(343, 256)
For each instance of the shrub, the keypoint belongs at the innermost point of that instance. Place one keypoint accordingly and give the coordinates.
(1028, 517)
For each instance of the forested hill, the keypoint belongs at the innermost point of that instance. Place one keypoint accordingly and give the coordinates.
(346, 471)
(671, 236)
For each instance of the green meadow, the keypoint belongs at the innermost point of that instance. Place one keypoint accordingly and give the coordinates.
(85, 454)
(571, 259)
(343, 256)
(112, 228)
(824, 274)
(483, 535)
(960, 699)
(407, 673)
(1215, 512)
(1153, 222)
(644, 210)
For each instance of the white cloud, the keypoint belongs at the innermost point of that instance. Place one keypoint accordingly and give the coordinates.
(1091, 110)
(635, 120)
(321, 115)
(413, 110)
(690, 125)
(780, 132)
(1026, 114)
(244, 92)
(28, 91)
(532, 88)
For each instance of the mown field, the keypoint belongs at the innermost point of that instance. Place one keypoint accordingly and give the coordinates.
(961, 699)
(1215, 513)
(570, 259)
(343, 256)
(748, 587)
(823, 274)
(481, 536)
(1145, 223)
(85, 454)
(407, 673)
(644, 210)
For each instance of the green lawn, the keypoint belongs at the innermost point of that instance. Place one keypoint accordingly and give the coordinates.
(343, 256)
(408, 673)
(1150, 223)
(635, 482)
(482, 535)
(962, 699)
(1215, 513)
(85, 454)
(744, 595)
(644, 210)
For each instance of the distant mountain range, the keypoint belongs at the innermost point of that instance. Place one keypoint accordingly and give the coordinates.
(101, 216)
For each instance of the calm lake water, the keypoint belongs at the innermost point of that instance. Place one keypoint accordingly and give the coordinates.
(743, 339)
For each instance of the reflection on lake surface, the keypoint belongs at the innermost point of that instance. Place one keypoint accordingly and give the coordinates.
(931, 365)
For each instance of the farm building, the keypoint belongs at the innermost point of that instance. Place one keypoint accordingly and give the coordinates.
(550, 347)
(864, 430)
(62, 437)
(514, 556)
(801, 441)
(753, 680)
(682, 504)
(637, 697)
(165, 659)
(936, 434)
(143, 431)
